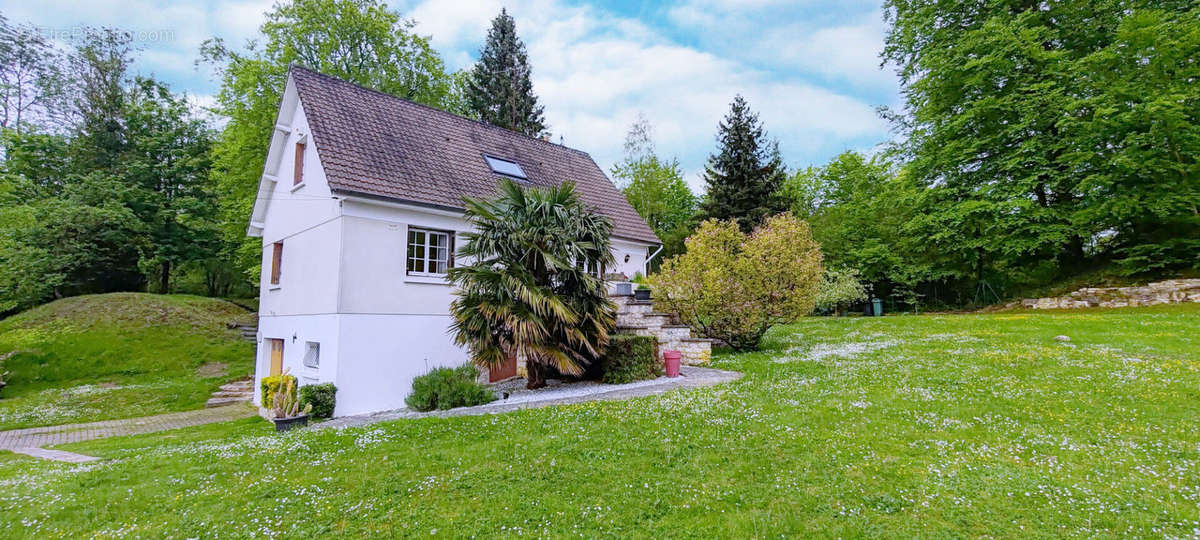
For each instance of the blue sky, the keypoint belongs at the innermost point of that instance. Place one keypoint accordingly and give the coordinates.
(810, 68)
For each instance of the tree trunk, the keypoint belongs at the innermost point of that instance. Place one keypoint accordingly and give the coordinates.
(164, 278)
(534, 374)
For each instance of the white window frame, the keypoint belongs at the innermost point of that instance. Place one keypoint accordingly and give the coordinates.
(312, 355)
(409, 258)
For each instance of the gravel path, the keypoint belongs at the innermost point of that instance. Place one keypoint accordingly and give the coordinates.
(30, 441)
(564, 394)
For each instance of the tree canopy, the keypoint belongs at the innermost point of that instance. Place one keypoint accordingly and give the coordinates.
(655, 188)
(500, 89)
(744, 176)
(1052, 136)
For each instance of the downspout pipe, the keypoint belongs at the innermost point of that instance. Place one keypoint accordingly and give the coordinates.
(646, 267)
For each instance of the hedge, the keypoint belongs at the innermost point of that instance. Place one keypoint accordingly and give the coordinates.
(630, 358)
(322, 397)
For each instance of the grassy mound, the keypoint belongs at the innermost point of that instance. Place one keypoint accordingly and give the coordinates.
(116, 356)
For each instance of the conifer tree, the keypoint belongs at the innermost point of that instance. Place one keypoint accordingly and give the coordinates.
(744, 176)
(500, 91)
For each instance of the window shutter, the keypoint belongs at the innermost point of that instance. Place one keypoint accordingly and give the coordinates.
(298, 168)
(276, 262)
(450, 254)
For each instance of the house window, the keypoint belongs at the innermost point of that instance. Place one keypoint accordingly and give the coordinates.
(505, 167)
(276, 262)
(298, 168)
(592, 267)
(312, 355)
(430, 252)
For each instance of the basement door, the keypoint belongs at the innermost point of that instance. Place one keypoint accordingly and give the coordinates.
(506, 369)
(276, 356)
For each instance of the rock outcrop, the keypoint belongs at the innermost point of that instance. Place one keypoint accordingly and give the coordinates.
(1172, 291)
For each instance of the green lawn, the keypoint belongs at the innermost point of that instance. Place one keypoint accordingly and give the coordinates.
(956, 425)
(117, 356)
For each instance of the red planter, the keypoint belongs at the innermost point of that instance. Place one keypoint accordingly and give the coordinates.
(671, 362)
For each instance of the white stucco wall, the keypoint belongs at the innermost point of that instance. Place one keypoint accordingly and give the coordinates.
(306, 219)
(637, 254)
(296, 331)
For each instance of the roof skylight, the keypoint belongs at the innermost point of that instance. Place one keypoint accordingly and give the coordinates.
(505, 167)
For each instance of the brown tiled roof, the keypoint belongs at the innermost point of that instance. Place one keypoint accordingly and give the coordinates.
(378, 145)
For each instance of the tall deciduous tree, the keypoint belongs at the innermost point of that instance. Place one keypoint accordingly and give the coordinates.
(745, 174)
(362, 41)
(1045, 128)
(528, 291)
(656, 188)
(501, 88)
(100, 68)
(31, 79)
(168, 165)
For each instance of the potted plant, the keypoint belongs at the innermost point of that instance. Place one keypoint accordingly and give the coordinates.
(285, 411)
(642, 292)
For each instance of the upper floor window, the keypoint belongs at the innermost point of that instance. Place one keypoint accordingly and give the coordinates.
(276, 262)
(506, 167)
(430, 252)
(298, 168)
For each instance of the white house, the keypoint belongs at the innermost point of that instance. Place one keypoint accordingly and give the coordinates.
(359, 211)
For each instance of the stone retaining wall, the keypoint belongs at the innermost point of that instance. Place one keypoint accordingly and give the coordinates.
(1173, 291)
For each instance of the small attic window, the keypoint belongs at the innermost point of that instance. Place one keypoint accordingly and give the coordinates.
(505, 167)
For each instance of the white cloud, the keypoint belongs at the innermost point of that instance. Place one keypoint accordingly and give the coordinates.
(594, 72)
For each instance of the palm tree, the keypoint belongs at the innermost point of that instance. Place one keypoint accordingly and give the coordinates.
(527, 290)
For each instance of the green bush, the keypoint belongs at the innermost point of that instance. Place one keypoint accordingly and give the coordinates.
(446, 388)
(630, 358)
(322, 397)
(269, 386)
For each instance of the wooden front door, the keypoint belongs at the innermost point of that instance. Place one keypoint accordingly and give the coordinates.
(276, 356)
(506, 369)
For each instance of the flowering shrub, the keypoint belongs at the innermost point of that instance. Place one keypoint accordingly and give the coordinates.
(270, 385)
(840, 288)
(733, 287)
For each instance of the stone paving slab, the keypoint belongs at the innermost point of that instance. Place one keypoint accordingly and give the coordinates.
(30, 441)
(691, 377)
(55, 455)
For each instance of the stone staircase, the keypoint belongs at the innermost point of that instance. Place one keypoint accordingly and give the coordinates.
(638, 317)
(239, 391)
(248, 326)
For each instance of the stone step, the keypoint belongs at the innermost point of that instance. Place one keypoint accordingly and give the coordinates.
(237, 386)
(224, 401)
(246, 394)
